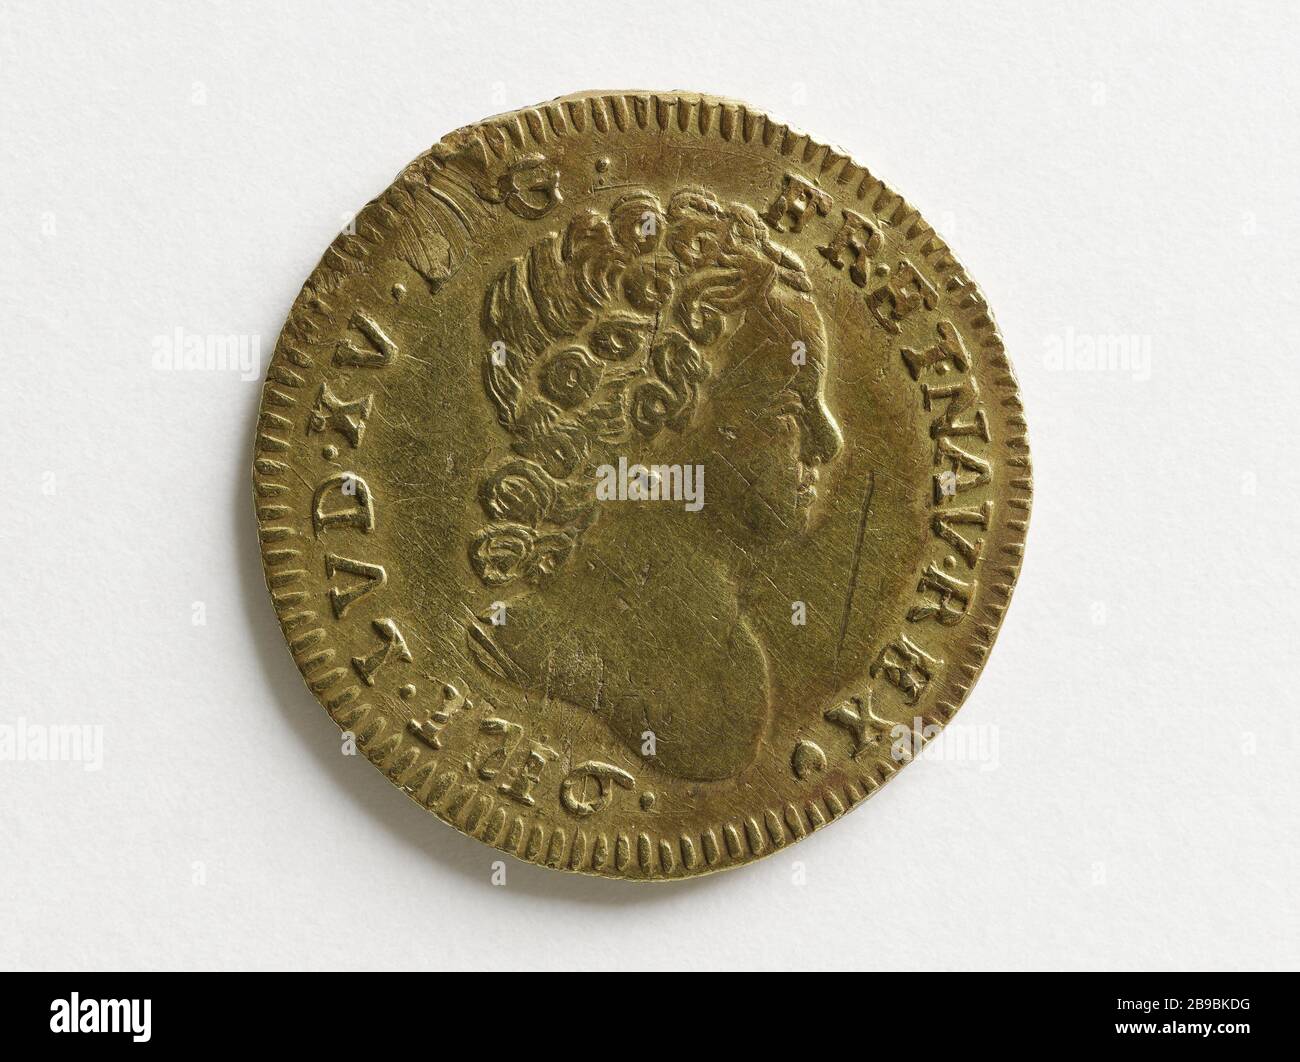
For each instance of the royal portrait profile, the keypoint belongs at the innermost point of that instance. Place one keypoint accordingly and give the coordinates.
(669, 335)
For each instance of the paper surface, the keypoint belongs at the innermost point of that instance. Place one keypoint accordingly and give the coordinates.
(1115, 179)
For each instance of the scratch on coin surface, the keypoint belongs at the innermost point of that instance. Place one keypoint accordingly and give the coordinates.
(857, 561)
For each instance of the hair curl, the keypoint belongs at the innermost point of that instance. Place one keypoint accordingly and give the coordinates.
(595, 340)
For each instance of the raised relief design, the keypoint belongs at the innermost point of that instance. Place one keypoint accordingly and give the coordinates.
(793, 204)
(332, 413)
(516, 762)
(660, 335)
(905, 666)
(576, 790)
(429, 729)
(350, 504)
(860, 240)
(381, 350)
(373, 577)
(393, 645)
(859, 720)
(617, 659)
(807, 760)
(528, 185)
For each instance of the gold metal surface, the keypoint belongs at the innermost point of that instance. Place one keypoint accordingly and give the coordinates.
(635, 473)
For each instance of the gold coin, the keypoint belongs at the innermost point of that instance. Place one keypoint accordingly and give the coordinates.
(641, 483)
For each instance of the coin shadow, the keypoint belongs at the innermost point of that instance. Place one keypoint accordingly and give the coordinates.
(393, 813)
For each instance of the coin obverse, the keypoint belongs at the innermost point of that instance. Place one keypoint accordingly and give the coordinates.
(641, 483)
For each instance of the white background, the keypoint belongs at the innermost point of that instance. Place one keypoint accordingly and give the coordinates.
(1101, 171)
